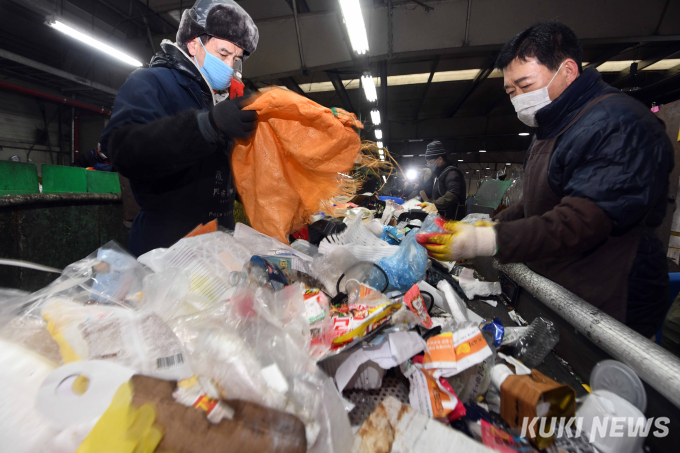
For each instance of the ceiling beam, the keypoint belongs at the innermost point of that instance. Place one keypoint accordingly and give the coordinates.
(658, 89)
(335, 79)
(423, 95)
(481, 76)
(666, 52)
(608, 54)
(292, 85)
(56, 72)
(302, 6)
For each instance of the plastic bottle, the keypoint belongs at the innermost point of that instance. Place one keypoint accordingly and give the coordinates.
(536, 343)
(499, 373)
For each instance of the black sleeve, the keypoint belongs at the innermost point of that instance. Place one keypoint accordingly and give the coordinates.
(159, 148)
(449, 197)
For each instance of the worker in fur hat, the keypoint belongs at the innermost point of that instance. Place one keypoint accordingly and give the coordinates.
(172, 125)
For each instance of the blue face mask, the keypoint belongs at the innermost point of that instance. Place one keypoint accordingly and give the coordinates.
(217, 72)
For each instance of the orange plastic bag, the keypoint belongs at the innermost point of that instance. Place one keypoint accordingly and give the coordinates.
(289, 168)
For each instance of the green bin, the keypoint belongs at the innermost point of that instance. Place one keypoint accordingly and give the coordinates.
(18, 178)
(102, 182)
(62, 179)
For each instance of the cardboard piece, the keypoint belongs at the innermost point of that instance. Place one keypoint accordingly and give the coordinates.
(523, 396)
(186, 429)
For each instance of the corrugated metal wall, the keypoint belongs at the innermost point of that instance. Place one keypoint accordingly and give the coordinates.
(20, 119)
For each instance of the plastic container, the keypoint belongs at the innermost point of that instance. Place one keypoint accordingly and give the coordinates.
(621, 380)
(534, 346)
(61, 179)
(603, 405)
(102, 182)
(18, 178)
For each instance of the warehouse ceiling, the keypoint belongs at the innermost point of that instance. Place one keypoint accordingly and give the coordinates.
(435, 58)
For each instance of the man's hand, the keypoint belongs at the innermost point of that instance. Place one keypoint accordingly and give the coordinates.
(428, 207)
(459, 241)
(230, 121)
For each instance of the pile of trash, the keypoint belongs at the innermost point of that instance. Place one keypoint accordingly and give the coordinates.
(237, 338)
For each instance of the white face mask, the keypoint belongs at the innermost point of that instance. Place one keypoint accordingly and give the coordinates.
(527, 104)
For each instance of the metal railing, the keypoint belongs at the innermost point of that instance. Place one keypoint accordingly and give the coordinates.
(653, 364)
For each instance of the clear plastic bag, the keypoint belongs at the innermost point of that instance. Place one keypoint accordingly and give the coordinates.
(108, 276)
(139, 340)
(208, 260)
(165, 293)
(429, 225)
(253, 354)
(329, 267)
(407, 267)
(261, 244)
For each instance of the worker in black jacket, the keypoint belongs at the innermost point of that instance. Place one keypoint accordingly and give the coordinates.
(596, 181)
(448, 188)
(171, 130)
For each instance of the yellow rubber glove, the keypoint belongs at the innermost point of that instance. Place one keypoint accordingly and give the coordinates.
(428, 207)
(459, 241)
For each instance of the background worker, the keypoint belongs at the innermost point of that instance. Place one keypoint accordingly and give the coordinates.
(169, 134)
(595, 184)
(448, 186)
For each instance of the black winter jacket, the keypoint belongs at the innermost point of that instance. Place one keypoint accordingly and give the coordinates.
(178, 167)
(449, 192)
(619, 157)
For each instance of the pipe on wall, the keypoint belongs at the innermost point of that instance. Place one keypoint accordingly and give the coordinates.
(50, 97)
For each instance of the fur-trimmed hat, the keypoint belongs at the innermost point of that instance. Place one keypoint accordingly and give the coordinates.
(222, 19)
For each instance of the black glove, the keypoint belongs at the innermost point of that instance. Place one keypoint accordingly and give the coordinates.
(230, 121)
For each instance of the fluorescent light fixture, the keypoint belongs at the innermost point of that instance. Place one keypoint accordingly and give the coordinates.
(488, 168)
(477, 170)
(369, 87)
(407, 155)
(662, 65)
(380, 145)
(384, 179)
(356, 29)
(460, 160)
(482, 150)
(508, 163)
(90, 41)
(523, 134)
(375, 116)
(411, 174)
(467, 172)
(378, 134)
(615, 66)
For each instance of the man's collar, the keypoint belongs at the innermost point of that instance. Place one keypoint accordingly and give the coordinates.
(572, 99)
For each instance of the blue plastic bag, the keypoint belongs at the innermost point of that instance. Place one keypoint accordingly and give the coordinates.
(392, 231)
(406, 267)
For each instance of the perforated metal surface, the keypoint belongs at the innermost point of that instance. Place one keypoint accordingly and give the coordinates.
(367, 400)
